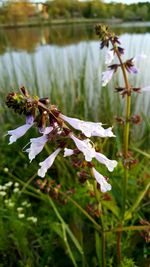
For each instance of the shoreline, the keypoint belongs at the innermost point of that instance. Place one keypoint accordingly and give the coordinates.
(79, 21)
(59, 22)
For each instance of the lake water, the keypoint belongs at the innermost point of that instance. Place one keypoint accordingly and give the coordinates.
(65, 63)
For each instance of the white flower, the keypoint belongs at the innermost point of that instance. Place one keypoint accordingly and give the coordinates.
(21, 215)
(68, 152)
(146, 89)
(20, 209)
(9, 184)
(24, 203)
(47, 130)
(37, 144)
(3, 187)
(9, 203)
(101, 132)
(16, 184)
(85, 147)
(32, 219)
(88, 128)
(109, 57)
(18, 132)
(6, 169)
(106, 76)
(139, 58)
(105, 186)
(16, 190)
(110, 164)
(47, 163)
(2, 193)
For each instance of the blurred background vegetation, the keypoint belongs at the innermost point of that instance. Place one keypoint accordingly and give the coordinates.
(22, 11)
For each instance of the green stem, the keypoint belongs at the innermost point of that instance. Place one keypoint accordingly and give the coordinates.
(103, 237)
(126, 130)
(125, 150)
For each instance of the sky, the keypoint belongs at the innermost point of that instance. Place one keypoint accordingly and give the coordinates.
(108, 1)
(126, 1)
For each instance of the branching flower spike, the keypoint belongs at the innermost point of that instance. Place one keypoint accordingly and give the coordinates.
(54, 127)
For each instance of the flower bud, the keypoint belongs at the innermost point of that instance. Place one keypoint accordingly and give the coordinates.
(44, 100)
(24, 91)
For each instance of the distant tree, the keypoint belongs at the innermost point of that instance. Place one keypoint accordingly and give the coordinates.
(142, 12)
(18, 10)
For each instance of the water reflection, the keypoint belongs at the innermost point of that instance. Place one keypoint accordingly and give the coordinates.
(29, 39)
(65, 64)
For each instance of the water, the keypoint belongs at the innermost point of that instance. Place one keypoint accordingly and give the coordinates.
(65, 64)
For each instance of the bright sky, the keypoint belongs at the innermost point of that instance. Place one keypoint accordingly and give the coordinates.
(122, 1)
(126, 1)
(107, 1)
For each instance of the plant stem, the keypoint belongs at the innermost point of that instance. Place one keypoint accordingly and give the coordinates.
(103, 237)
(126, 130)
(125, 150)
(119, 235)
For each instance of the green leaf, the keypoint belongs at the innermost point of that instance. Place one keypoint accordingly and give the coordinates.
(60, 229)
(67, 246)
(111, 205)
(141, 152)
(128, 213)
(98, 247)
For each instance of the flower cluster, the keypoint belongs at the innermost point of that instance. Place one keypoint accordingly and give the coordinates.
(116, 52)
(60, 129)
(9, 195)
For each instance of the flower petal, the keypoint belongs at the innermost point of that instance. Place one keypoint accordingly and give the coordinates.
(110, 164)
(18, 132)
(47, 163)
(109, 57)
(29, 119)
(106, 76)
(139, 58)
(105, 186)
(101, 132)
(68, 152)
(85, 147)
(146, 89)
(72, 121)
(37, 145)
(88, 128)
(132, 69)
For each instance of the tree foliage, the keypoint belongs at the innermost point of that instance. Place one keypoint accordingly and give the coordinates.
(17, 10)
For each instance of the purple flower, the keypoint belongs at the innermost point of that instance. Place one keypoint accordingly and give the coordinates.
(105, 186)
(20, 131)
(29, 119)
(132, 69)
(121, 50)
(47, 163)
